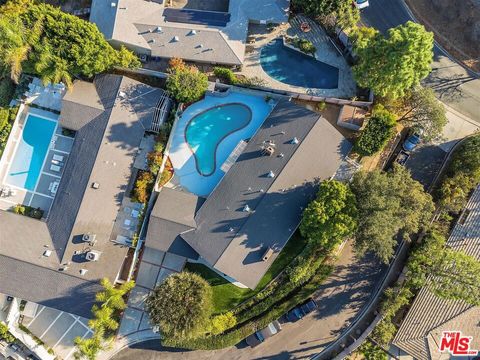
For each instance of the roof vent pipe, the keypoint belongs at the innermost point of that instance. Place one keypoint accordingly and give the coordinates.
(192, 32)
(295, 140)
(246, 208)
(175, 39)
(271, 174)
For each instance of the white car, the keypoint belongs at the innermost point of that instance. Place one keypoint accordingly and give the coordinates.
(361, 4)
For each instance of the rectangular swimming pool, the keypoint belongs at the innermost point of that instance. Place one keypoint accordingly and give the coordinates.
(31, 151)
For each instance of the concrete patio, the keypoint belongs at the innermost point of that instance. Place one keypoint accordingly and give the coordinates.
(326, 53)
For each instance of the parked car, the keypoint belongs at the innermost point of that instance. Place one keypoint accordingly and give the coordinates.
(260, 336)
(413, 140)
(361, 4)
(308, 306)
(294, 314)
(300, 311)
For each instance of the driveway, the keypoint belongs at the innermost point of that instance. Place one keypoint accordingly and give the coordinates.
(340, 299)
(452, 83)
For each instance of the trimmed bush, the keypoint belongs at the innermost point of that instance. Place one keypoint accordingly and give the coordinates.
(185, 83)
(4, 117)
(7, 90)
(379, 130)
(225, 74)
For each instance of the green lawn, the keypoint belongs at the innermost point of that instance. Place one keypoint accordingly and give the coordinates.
(226, 295)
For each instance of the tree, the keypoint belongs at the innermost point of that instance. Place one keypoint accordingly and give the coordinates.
(379, 130)
(103, 319)
(181, 306)
(112, 296)
(331, 217)
(59, 42)
(390, 66)
(467, 158)
(448, 273)
(389, 204)
(454, 192)
(185, 83)
(88, 348)
(421, 109)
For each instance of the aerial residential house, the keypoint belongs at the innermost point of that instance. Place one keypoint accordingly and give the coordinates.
(242, 226)
(58, 261)
(152, 30)
(421, 331)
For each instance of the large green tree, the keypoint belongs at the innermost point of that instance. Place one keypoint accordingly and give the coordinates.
(389, 204)
(394, 64)
(450, 274)
(43, 40)
(339, 13)
(332, 216)
(181, 306)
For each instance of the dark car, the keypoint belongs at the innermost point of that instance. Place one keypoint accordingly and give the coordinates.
(301, 310)
(308, 306)
(294, 314)
(413, 140)
(260, 336)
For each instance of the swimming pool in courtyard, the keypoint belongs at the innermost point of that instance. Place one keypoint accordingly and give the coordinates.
(295, 68)
(206, 134)
(206, 130)
(30, 153)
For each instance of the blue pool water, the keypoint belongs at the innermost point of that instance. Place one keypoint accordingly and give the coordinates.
(206, 130)
(295, 68)
(31, 151)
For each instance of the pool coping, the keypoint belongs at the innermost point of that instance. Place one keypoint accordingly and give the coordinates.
(221, 139)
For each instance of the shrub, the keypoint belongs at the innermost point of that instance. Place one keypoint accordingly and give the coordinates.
(26, 210)
(143, 186)
(154, 160)
(7, 90)
(225, 74)
(306, 46)
(5, 334)
(185, 83)
(4, 117)
(222, 322)
(379, 130)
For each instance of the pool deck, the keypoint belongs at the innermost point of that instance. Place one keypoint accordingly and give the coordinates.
(186, 173)
(41, 197)
(325, 53)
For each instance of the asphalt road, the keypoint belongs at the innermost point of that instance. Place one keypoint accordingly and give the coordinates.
(340, 299)
(452, 83)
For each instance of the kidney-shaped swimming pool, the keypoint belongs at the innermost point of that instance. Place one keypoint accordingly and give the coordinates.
(206, 130)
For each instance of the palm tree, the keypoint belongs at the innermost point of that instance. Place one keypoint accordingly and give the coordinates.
(112, 296)
(103, 319)
(15, 48)
(88, 348)
(17, 43)
(52, 69)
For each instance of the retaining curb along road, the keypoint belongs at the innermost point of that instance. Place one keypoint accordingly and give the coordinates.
(442, 49)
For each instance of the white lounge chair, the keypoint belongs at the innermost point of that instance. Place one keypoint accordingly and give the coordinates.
(57, 157)
(55, 187)
(55, 168)
(135, 213)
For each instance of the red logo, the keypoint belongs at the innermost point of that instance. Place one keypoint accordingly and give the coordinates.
(456, 344)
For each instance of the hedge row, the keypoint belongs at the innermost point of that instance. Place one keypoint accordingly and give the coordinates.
(234, 336)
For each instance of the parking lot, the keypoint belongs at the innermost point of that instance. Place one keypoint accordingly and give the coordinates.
(58, 330)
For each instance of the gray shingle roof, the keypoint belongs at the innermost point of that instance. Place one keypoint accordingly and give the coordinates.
(103, 151)
(203, 46)
(172, 215)
(428, 311)
(234, 240)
